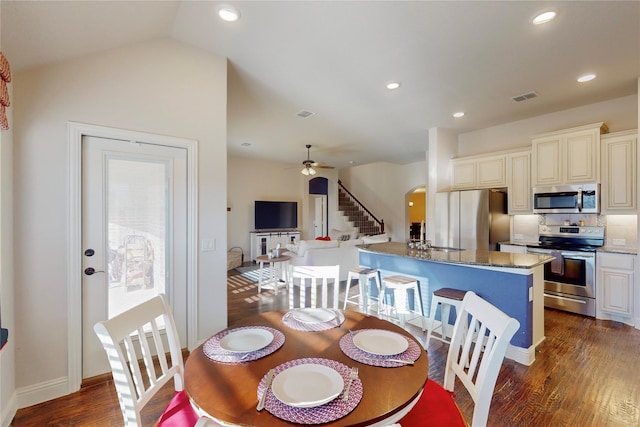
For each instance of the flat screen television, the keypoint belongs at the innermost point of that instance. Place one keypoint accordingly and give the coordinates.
(276, 215)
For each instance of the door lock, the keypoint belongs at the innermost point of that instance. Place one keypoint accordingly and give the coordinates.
(89, 271)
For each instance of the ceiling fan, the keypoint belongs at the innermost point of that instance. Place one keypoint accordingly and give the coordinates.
(309, 164)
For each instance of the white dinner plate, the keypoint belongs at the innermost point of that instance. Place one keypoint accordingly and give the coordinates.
(246, 340)
(314, 315)
(307, 385)
(380, 342)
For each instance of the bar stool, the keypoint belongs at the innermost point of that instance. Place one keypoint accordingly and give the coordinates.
(363, 275)
(401, 285)
(447, 298)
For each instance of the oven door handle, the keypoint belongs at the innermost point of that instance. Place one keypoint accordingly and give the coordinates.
(582, 257)
(538, 251)
(565, 298)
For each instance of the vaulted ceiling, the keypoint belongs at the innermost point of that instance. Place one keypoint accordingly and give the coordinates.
(334, 58)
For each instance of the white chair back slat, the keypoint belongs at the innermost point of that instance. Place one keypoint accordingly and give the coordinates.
(160, 350)
(476, 356)
(133, 365)
(146, 354)
(319, 286)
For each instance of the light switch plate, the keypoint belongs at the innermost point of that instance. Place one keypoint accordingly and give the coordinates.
(618, 242)
(208, 245)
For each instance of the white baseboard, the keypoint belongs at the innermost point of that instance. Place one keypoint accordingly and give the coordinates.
(38, 393)
(9, 411)
(524, 356)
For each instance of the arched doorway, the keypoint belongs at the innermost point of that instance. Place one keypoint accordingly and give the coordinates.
(415, 211)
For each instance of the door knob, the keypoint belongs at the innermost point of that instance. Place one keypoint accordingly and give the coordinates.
(89, 271)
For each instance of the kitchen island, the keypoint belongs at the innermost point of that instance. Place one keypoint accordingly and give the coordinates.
(512, 282)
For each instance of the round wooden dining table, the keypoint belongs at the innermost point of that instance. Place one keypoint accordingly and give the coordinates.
(227, 392)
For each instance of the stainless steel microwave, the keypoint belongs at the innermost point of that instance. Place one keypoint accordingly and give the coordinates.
(580, 198)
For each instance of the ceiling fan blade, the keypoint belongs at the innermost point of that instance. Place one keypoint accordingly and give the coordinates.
(322, 165)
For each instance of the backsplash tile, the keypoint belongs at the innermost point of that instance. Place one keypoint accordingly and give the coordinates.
(524, 228)
(621, 227)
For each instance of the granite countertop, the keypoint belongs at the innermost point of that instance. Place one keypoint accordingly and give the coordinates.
(618, 250)
(469, 257)
(521, 243)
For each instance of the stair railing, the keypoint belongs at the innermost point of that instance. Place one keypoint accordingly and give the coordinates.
(380, 222)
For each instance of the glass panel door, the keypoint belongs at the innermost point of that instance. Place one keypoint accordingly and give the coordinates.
(137, 206)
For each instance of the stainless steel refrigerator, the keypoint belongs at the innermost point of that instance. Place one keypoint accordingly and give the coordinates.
(472, 219)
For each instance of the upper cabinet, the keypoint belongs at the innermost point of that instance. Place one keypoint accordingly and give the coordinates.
(519, 182)
(569, 156)
(619, 172)
(479, 172)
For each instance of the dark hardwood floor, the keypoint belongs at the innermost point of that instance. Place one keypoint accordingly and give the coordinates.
(586, 373)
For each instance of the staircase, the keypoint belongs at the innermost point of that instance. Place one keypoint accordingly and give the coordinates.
(357, 213)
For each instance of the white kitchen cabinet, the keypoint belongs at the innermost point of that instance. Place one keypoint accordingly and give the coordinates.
(547, 160)
(514, 249)
(615, 274)
(568, 156)
(492, 172)
(479, 172)
(264, 241)
(519, 183)
(463, 174)
(619, 172)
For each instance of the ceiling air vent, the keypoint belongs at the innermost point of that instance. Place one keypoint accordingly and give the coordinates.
(304, 114)
(525, 96)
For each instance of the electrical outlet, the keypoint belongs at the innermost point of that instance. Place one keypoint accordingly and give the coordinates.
(618, 242)
(518, 236)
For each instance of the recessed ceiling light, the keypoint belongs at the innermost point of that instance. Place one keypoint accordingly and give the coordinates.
(228, 13)
(393, 85)
(458, 114)
(544, 18)
(586, 78)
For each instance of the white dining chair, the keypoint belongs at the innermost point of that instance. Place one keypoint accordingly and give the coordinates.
(317, 286)
(131, 340)
(475, 356)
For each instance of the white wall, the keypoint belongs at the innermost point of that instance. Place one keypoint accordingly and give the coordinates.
(161, 87)
(618, 114)
(382, 187)
(8, 399)
(442, 146)
(249, 180)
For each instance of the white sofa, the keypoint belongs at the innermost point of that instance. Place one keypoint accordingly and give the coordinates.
(331, 252)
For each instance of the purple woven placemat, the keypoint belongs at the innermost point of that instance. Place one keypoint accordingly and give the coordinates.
(290, 320)
(330, 411)
(213, 351)
(412, 353)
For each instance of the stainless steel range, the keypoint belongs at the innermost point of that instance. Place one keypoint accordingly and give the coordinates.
(570, 279)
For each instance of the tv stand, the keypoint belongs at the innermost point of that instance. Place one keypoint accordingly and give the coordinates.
(263, 241)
